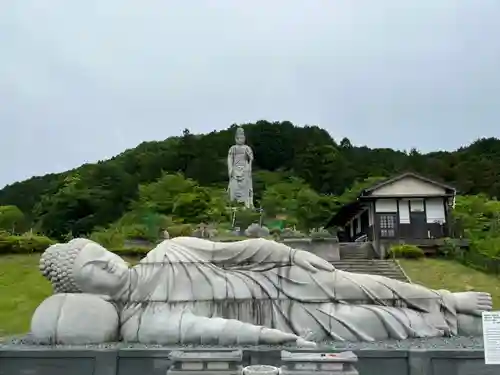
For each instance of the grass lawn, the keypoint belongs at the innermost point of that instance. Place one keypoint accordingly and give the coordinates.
(453, 276)
(22, 287)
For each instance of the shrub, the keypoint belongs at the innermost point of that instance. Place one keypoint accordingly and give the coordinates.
(321, 233)
(180, 230)
(275, 233)
(246, 217)
(406, 251)
(291, 233)
(24, 244)
(109, 238)
(136, 251)
(140, 232)
(449, 248)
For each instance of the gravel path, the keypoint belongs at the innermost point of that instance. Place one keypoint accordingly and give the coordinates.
(459, 342)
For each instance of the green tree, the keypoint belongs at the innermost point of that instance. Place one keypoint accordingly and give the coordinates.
(299, 202)
(351, 193)
(478, 217)
(12, 219)
(160, 196)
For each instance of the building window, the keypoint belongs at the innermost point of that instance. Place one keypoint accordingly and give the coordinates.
(387, 226)
(417, 205)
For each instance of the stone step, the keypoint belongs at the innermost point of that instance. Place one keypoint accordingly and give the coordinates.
(364, 261)
(388, 274)
(391, 275)
(395, 277)
(368, 260)
(364, 265)
(342, 266)
(374, 272)
(369, 266)
(386, 269)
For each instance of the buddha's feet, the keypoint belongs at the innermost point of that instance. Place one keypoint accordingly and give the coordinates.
(473, 303)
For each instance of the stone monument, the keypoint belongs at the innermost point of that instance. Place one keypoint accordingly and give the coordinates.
(239, 165)
(190, 290)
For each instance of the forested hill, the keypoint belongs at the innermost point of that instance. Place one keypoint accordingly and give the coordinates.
(100, 193)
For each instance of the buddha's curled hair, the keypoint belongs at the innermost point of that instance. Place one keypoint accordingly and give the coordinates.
(56, 264)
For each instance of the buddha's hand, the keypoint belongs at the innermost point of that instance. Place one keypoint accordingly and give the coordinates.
(310, 261)
(270, 336)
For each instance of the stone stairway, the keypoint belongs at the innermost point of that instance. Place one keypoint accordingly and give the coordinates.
(357, 257)
(356, 250)
(387, 268)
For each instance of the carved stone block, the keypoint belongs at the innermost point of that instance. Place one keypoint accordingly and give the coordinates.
(206, 363)
(318, 363)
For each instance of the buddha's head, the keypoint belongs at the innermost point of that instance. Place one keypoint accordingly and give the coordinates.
(84, 266)
(240, 136)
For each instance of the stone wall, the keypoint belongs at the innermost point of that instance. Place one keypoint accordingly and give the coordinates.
(327, 248)
(155, 361)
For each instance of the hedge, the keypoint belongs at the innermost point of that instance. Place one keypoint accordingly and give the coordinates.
(36, 244)
(24, 244)
(406, 251)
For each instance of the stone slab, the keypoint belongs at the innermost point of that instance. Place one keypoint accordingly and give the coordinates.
(302, 363)
(188, 362)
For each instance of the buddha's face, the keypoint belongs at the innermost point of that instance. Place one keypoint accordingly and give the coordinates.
(240, 139)
(99, 271)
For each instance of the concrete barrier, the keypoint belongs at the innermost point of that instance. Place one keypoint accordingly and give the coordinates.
(156, 361)
(326, 248)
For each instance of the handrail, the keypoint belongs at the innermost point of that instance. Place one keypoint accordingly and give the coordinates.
(362, 238)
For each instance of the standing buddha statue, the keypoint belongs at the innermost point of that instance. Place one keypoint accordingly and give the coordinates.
(239, 164)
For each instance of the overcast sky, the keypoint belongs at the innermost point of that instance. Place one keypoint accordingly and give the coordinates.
(83, 80)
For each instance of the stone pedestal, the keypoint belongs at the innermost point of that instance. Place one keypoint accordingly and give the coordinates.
(318, 363)
(206, 363)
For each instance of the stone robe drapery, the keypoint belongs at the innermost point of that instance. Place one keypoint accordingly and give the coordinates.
(186, 288)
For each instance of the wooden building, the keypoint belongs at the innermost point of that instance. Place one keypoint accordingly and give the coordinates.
(407, 208)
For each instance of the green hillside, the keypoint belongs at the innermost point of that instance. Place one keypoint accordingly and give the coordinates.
(299, 171)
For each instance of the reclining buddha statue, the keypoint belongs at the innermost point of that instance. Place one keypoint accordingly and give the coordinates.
(193, 291)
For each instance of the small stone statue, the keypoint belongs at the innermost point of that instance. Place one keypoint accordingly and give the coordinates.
(166, 235)
(239, 165)
(256, 231)
(193, 291)
(202, 231)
